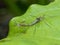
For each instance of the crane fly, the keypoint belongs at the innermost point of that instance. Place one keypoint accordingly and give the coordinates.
(37, 20)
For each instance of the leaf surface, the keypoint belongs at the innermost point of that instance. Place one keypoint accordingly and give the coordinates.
(45, 32)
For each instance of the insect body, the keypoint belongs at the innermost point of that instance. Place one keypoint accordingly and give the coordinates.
(33, 23)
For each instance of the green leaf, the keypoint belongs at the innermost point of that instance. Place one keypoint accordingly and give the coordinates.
(45, 32)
